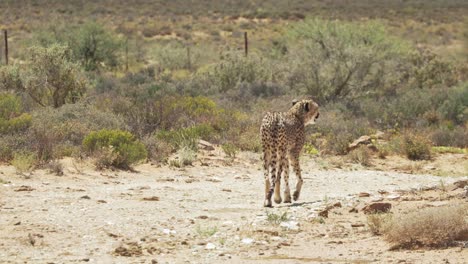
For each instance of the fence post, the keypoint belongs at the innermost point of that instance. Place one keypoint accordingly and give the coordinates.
(246, 44)
(6, 46)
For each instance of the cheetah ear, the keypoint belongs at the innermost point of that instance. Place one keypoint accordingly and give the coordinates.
(306, 107)
(294, 102)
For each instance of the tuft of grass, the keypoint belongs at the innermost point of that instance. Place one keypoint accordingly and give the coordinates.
(377, 223)
(276, 219)
(24, 162)
(361, 155)
(230, 150)
(55, 167)
(430, 227)
(207, 231)
(452, 150)
(186, 156)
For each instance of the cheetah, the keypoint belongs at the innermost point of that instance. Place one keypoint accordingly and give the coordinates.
(282, 139)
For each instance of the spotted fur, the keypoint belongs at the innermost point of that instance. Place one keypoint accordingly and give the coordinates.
(283, 138)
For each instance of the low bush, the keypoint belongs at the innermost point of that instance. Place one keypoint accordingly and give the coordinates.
(116, 148)
(457, 137)
(378, 223)
(230, 150)
(431, 227)
(361, 155)
(186, 137)
(12, 120)
(417, 147)
(24, 162)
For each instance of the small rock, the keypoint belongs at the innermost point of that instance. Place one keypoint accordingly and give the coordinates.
(377, 208)
(24, 188)
(393, 197)
(353, 210)
(290, 225)
(17, 223)
(363, 194)
(85, 197)
(324, 212)
(364, 140)
(382, 192)
(168, 231)
(357, 225)
(202, 217)
(226, 190)
(101, 201)
(247, 241)
(337, 204)
(152, 198)
(461, 183)
(210, 246)
(205, 145)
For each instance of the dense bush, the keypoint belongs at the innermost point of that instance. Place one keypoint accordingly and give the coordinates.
(417, 147)
(120, 148)
(50, 78)
(235, 68)
(335, 60)
(92, 45)
(12, 120)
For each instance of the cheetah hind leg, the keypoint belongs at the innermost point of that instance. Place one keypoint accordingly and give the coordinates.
(282, 163)
(287, 191)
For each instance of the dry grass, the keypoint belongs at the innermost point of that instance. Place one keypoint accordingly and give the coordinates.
(429, 227)
(361, 155)
(378, 223)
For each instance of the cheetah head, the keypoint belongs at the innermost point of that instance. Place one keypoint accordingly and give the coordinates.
(307, 110)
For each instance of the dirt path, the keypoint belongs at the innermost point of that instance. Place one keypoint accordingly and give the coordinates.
(201, 214)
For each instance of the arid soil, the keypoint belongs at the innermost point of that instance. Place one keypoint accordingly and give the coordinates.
(212, 213)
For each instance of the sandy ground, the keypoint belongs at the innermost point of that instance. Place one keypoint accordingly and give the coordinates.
(208, 213)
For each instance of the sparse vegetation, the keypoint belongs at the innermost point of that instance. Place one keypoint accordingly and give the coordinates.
(276, 219)
(429, 227)
(114, 148)
(378, 223)
(24, 162)
(206, 231)
(361, 155)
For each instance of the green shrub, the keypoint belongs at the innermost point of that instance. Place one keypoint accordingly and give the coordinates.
(339, 131)
(24, 162)
(11, 118)
(92, 45)
(186, 137)
(455, 107)
(230, 150)
(417, 147)
(457, 137)
(122, 144)
(333, 60)
(310, 149)
(236, 68)
(50, 77)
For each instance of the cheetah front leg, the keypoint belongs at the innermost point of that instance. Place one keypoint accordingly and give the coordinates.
(297, 171)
